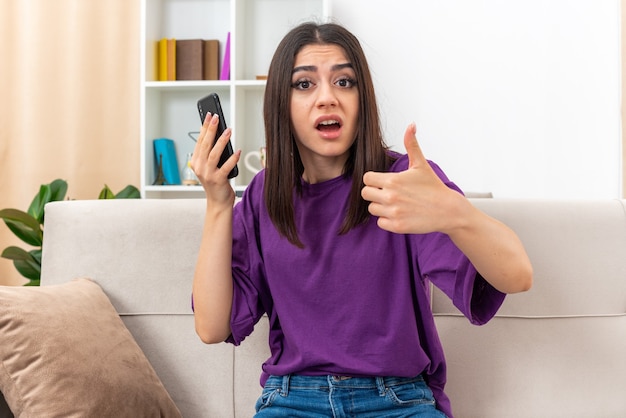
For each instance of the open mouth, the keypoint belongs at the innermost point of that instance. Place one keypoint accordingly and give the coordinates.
(330, 125)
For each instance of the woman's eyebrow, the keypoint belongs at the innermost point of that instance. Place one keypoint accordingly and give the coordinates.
(313, 68)
(338, 67)
(307, 68)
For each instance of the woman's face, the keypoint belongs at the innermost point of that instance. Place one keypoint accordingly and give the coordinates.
(324, 109)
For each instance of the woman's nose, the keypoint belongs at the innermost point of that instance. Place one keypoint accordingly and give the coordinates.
(326, 96)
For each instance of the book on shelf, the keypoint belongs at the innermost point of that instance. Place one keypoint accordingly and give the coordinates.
(166, 161)
(211, 59)
(189, 59)
(225, 73)
(167, 59)
(197, 59)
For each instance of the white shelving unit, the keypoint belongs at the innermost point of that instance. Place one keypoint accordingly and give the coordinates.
(168, 109)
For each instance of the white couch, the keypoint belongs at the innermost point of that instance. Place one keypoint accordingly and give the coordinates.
(558, 350)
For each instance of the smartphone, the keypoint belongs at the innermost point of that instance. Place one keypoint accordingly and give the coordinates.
(211, 104)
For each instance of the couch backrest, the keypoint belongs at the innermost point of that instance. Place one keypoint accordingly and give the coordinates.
(558, 350)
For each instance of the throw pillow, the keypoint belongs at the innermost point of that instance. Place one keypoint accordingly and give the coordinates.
(65, 352)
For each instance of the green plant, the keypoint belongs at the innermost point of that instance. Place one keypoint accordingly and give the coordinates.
(28, 226)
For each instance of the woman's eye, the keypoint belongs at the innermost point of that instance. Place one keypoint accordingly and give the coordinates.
(301, 84)
(346, 82)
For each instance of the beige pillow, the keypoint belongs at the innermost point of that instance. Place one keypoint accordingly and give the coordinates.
(65, 352)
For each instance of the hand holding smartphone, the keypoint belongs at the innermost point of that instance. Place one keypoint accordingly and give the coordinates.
(211, 104)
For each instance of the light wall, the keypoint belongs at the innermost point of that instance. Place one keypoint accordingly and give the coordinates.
(521, 98)
(69, 83)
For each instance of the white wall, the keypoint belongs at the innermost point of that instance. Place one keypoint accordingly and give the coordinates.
(517, 97)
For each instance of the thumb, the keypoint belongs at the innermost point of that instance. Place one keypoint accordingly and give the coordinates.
(416, 157)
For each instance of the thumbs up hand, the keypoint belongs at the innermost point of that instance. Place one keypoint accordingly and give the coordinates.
(414, 200)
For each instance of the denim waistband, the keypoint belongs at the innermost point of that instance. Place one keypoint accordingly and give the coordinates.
(294, 381)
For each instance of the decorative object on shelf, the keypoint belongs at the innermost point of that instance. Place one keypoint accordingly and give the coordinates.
(165, 153)
(192, 135)
(225, 74)
(160, 178)
(28, 226)
(167, 59)
(255, 155)
(189, 177)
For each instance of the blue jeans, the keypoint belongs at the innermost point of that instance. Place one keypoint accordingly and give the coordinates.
(337, 397)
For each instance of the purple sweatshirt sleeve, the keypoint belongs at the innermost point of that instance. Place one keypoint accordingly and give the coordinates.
(443, 264)
(250, 297)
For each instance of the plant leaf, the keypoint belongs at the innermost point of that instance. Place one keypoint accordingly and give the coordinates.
(36, 206)
(30, 270)
(16, 253)
(129, 192)
(28, 264)
(27, 235)
(36, 253)
(33, 283)
(20, 216)
(23, 225)
(52, 192)
(58, 188)
(106, 193)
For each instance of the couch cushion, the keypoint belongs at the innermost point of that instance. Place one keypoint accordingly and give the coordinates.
(65, 352)
(560, 367)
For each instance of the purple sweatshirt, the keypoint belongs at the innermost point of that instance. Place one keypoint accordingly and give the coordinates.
(343, 304)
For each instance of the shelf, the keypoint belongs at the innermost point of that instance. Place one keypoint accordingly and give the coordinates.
(168, 108)
(173, 189)
(177, 192)
(202, 84)
(186, 85)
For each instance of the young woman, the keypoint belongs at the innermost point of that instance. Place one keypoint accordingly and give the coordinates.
(337, 241)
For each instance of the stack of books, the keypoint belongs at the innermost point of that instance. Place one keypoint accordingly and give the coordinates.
(192, 59)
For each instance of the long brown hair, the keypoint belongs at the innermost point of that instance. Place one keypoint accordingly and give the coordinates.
(284, 166)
